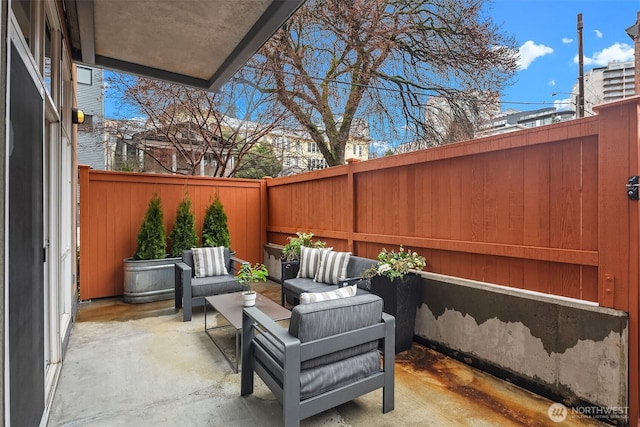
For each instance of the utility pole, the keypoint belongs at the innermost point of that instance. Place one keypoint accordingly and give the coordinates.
(580, 103)
(633, 32)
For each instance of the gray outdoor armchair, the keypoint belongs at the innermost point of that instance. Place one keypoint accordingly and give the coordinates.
(190, 291)
(330, 354)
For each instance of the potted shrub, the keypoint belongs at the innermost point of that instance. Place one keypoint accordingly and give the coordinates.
(248, 275)
(291, 251)
(149, 274)
(393, 281)
(183, 235)
(215, 231)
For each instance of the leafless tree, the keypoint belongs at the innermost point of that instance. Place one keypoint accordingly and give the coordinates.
(337, 61)
(184, 126)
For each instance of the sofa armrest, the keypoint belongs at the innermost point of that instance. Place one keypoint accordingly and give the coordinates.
(183, 289)
(183, 279)
(268, 325)
(253, 318)
(236, 261)
(348, 281)
(289, 270)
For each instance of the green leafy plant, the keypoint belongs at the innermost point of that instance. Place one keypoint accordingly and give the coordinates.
(151, 237)
(249, 274)
(215, 231)
(183, 235)
(291, 250)
(395, 264)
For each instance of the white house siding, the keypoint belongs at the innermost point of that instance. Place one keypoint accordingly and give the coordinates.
(91, 145)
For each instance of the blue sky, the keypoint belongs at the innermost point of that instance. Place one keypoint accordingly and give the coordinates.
(546, 33)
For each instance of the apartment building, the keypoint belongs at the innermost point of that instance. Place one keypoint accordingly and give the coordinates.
(132, 145)
(606, 84)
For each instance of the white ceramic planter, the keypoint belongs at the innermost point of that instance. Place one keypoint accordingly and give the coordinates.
(249, 298)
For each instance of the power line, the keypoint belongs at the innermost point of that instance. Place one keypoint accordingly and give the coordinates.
(396, 90)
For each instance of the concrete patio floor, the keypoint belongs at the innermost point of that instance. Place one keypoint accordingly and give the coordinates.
(140, 365)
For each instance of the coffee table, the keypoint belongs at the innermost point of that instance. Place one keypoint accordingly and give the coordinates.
(230, 308)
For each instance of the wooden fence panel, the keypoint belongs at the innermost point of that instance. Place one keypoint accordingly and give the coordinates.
(113, 205)
(519, 210)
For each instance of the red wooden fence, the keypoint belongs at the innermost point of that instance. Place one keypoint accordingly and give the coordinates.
(113, 205)
(519, 210)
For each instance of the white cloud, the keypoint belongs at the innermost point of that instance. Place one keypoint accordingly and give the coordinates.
(529, 52)
(618, 52)
(552, 83)
(567, 40)
(598, 33)
(562, 104)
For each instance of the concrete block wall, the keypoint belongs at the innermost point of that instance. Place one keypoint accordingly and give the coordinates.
(272, 260)
(571, 351)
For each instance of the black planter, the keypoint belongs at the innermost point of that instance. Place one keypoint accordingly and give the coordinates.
(401, 298)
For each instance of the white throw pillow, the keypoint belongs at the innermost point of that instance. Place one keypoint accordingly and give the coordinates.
(310, 261)
(209, 262)
(333, 266)
(309, 297)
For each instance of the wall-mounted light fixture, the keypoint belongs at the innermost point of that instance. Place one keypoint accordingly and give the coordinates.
(77, 116)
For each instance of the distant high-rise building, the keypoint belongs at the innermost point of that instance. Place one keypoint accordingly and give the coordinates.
(606, 84)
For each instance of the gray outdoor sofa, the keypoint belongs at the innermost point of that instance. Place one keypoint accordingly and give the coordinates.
(293, 286)
(190, 291)
(330, 354)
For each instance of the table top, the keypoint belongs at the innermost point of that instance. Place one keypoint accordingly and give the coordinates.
(230, 307)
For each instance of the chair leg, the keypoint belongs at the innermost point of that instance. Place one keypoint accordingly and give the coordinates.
(246, 376)
(178, 288)
(186, 311)
(178, 297)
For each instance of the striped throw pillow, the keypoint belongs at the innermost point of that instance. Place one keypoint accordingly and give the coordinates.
(333, 266)
(309, 297)
(209, 262)
(310, 261)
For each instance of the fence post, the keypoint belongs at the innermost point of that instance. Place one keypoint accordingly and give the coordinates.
(264, 212)
(619, 225)
(351, 203)
(83, 172)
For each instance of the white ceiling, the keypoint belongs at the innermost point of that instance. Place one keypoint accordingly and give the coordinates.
(200, 43)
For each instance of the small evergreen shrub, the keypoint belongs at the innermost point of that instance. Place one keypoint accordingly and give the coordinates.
(151, 237)
(215, 231)
(183, 235)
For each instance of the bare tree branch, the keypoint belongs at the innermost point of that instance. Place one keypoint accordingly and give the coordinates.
(196, 125)
(380, 61)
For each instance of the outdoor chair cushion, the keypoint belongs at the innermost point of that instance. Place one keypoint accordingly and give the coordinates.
(311, 297)
(310, 261)
(300, 285)
(310, 322)
(321, 378)
(209, 262)
(333, 267)
(206, 286)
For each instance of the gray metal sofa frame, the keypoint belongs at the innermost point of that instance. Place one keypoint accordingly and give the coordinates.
(329, 356)
(293, 286)
(190, 291)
